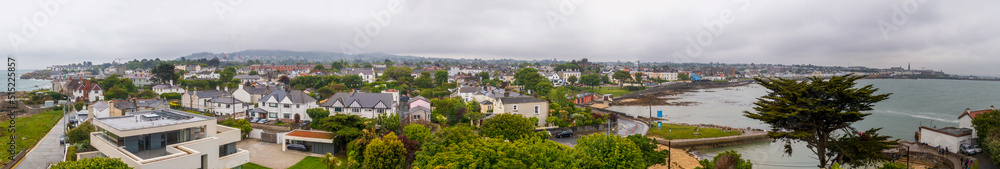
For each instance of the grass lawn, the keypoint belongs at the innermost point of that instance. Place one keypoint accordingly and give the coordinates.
(30, 130)
(309, 162)
(617, 91)
(253, 166)
(670, 132)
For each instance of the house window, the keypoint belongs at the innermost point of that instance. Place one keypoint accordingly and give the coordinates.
(288, 105)
(227, 106)
(380, 110)
(536, 109)
(416, 116)
(338, 109)
(274, 115)
(296, 106)
(356, 110)
(515, 107)
(288, 116)
(273, 104)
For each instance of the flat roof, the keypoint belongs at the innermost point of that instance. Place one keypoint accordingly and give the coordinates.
(166, 117)
(310, 134)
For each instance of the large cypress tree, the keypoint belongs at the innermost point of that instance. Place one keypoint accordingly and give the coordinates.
(813, 110)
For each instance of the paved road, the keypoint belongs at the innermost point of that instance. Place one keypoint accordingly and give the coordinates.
(629, 127)
(48, 151)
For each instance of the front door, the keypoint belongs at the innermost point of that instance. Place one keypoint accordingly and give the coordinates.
(296, 118)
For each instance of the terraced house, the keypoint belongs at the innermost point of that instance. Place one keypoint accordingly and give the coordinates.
(368, 105)
(168, 139)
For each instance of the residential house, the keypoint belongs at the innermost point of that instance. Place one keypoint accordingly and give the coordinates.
(368, 105)
(122, 107)
(286, 105)
(366, 74)
(198, 100)
(87, 91)
(965, 119)
(167, 88)
(419, 109)
(525, 106)
(249, 78)
(564, 76)
(251, 93)
(140, 79)
(227, 106)
(486, 106)
(206, 75)
(168, 139)
(99, 109)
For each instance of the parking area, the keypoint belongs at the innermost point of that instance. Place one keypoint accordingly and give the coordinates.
(270, 154)
(985, 161)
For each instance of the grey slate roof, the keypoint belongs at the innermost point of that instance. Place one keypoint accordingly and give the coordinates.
(165, 86)
(101, 106)
(515, 100)
(228, 100)
(209, 93)
(150, 103)
(295, 96)
(364, 99)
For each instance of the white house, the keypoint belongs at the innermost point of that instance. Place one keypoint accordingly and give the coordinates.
(89, 92)
(948, 137)
(99, 109)
(287, 106)
(368, 105)
(227, 106)
(168, 139)
(198, 100)
(524, 106)
(251, 93)
(165, 88)
(965, 119)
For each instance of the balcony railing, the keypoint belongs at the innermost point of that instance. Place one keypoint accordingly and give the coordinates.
(175, 150)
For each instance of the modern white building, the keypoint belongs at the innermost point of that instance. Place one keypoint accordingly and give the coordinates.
(168, 139)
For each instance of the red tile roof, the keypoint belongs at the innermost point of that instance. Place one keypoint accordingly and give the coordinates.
(310, 134)
(973, 114)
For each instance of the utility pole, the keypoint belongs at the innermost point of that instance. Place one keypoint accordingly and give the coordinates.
(651, 115)
(668, 156)
(907, 156)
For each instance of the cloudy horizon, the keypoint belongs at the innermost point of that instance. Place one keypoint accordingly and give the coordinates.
(958, 37)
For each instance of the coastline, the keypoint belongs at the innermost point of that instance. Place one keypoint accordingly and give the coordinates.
(661, 95)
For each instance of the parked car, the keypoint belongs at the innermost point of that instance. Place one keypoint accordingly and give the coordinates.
(254, 120)
(565, 134)
(262, 121)
(299, 147)
(62, 139)
(977, 148)
(967, 149)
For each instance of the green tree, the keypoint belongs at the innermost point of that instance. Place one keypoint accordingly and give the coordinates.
(331, 161)
(862, 148)
(893, 166)
(148, 94)
(648, 147)
(317, 113)
(353, 81)
(683, 76)
(417, 132)
(346, 127)
(227, 74)
(812, 110)
(440, 77)
(424, 81)
(318, 68)
(389, 122)
(484, 76)
(80, 134)
(990, 141)
(638, 77)
(622, 77)
(385, 153)
(398, 73)
(591, 80)
(572, 79)
(254, 72)
(241, 124)
(609, 151)
(116, 93)
(92, 163)
(726, 160)
(164, 73)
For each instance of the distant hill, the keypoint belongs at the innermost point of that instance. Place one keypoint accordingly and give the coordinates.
(286, 55)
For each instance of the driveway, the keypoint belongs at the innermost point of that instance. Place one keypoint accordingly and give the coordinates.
(47, 151)
(985, 161)
(270, 154)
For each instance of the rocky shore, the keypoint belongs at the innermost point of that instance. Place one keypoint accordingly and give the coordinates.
(38, 74)
(661, 95)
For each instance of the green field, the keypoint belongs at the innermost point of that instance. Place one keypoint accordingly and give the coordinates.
(253, 166)
(670, 132)
(309, 162)
(29, 130)
(617, 91)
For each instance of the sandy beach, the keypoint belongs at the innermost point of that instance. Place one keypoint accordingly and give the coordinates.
(679, 159)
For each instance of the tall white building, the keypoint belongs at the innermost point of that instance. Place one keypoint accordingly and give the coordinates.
(168, 139)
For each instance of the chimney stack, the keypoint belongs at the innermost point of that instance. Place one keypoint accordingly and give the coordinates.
(967, 110)
(991, 107)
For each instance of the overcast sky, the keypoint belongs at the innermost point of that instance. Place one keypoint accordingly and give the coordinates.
(958, 36)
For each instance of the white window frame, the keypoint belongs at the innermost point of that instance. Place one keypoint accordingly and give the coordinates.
(515, 107)
(538, 109)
